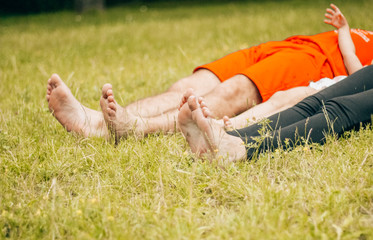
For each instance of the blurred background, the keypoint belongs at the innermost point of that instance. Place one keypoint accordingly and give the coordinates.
(15, 7)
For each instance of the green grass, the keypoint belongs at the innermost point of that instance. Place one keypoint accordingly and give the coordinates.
(56, 185)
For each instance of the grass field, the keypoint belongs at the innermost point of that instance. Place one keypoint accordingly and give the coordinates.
(54, 185)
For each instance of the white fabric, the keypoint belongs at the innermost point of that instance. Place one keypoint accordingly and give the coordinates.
(325, 82)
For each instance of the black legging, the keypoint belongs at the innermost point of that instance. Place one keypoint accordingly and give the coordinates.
(344, 106)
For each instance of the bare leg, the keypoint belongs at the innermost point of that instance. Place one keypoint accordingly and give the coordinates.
(205, 136)
(71, 113)
(152, 114)
(233, 97)
(122, 123)
(202, 81)
(278, 102)
(228, 98)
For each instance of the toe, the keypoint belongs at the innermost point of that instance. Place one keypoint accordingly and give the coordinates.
(105, 89)
(112, 106)
(55, 80)
(111, 99)
(109, 92)
(182, 102)
(192, 103)
(206, 112)
(189, 92)
(203, 104)
(227, 122)
(111, 112)
(185, 97)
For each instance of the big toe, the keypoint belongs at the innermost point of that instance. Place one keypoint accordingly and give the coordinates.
(55, 80)
(105, 90)
(189, 92)
(192, 103)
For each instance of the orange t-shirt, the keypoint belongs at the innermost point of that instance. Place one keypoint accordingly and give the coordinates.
(328, 43)
(293, 62)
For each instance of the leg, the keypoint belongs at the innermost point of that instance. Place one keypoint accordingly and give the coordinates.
(87, 122)
(358, 82)
(233, 96)
(205, 81)
(205, 137)
(278, 102)
(341, 114)
(155, 113)
(228, 98)
(122, 123)
(202, 81)
(71, 113)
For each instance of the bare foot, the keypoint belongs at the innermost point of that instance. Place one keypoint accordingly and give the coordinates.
(120, 122)
(190, 130)
(189, 92)
(228, 125)
(71, 113)
(205, 136)
(208, 114)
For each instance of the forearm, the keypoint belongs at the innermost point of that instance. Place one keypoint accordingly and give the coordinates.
(347, 47)
(352, 63)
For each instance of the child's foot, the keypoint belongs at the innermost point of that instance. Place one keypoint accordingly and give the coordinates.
(71, 113)
(205, 136)
(228, 125)
(120, 122)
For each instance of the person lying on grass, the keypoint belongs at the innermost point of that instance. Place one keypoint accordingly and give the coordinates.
(230, 85)
(341, 107)
(282, 100)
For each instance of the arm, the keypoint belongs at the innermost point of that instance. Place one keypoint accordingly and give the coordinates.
(335, 18)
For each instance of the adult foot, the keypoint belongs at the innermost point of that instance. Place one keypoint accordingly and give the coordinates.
(201, 101)
(190, 130)
(189, 92)
(205, 136)
(71, 113)
(120, 122)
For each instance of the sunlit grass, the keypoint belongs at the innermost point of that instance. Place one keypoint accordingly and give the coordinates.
(56, 185)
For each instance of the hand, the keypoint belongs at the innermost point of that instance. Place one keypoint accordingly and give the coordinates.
(335, 17)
